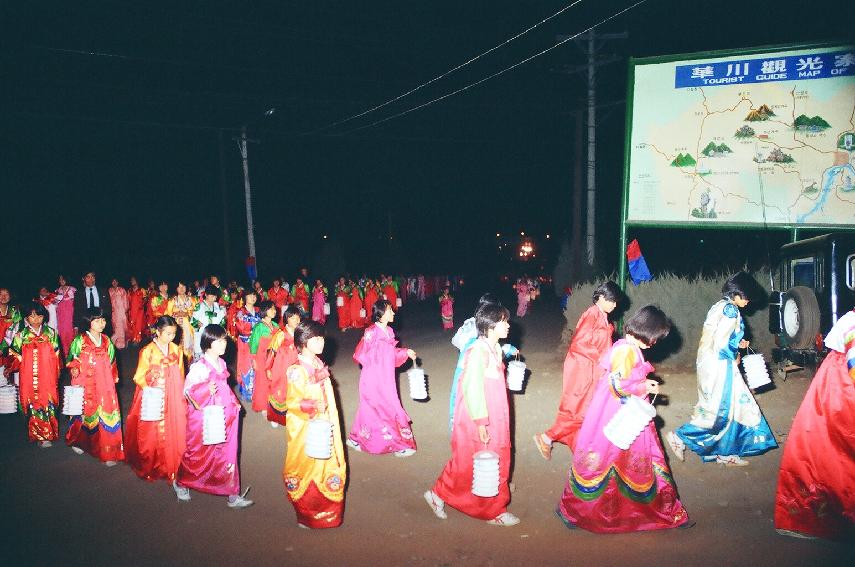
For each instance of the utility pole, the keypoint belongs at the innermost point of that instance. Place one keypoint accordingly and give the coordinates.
(250, 228)
(226, 240)
(591, 44)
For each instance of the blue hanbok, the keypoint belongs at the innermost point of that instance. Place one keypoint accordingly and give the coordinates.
(727, 420)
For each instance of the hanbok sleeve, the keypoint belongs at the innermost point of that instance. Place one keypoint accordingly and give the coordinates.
(196, 388)
(472, 382)
(255, 337)
(111, 355)
(143, 367)
(301, 400)
(74, 352)
(728, 333)
(621, 381)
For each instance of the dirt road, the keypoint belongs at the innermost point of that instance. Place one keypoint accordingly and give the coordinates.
(58, 507)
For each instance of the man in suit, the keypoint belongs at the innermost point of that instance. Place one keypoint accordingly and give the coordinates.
(92, 296)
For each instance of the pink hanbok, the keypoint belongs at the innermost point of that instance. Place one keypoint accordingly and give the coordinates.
(319, 298)
(65, 315)
(446, 311)
(381, 424)
(210, 468)
(612, 490)
(523, 297)
(119, 302)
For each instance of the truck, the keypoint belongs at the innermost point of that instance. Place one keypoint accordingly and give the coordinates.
(816, 286)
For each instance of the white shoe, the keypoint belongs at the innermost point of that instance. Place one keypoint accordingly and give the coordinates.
(677, 445)
(405, 453)
(264, 413)
(77, 450)
(731, 461)
(111, 463)
(353, 444)
(436, 504)
(504, 519)
(240, 500)
(45, 444)
(181, 492)
(274, 425)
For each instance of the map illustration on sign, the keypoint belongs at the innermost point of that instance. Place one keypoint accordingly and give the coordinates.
(765, 138)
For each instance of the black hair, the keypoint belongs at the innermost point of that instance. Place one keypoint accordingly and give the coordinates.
(378, 309)
(91, 314)
(306, 330)
(164, 321)
(212, 290)
(290, 311)
(488, 316)
(648, 325)
(488, 299)
(210, 334)
(266, 305)
(38, 309)
(250, 291)
(739, 284)
(607, 290)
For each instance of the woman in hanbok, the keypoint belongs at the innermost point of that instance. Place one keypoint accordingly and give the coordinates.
(390, 293)
(136, 311)
(381, 424)
(319, 299)
(119, 303)
(259, 340)
(213, 468)
(481, 423)
(158, 304)
(726, 424)
(280, 297)
(92, 365)
(281, 354)
(300, 293)
(10, 320)
(371, 296)
(357, 313)
(259, 291)
(614, 490)
(815, 496)
(592, 338)
(49, 301)
(65, 313)
(153, 449)
(523, 296)
(180, 308)
(315, 487)
(34, 354)
(207, 312)
(446, 310)
(342, 301)
(246, 318)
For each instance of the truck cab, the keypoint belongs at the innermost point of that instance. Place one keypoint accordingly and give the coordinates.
(816, 283)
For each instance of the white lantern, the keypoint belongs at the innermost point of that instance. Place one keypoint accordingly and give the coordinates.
(398, 302)
(756, 372)
(339, 301)
(485, 474)
(319, 439)
(8, 399)
(213, 425)
(151, 408)
(418, 384)
(362, 313)
(72, 400)
(516, 375)
(327, 309)
(629, 421)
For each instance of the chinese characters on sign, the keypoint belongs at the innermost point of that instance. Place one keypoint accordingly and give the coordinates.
(763, 70)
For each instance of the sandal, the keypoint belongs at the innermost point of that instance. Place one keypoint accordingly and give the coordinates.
(436, 504)
(677, 445)
(544, 448)
(504, 519)
(731, 461)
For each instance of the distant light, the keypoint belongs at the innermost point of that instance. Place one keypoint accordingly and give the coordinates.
(325, 236)
(497, 235)
(270, 111)
(522, 233)
(547, 236)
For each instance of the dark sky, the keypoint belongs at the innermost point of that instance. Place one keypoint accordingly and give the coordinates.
(112, 111)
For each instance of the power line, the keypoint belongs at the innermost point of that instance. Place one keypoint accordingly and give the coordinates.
(503, 71)
(443, 75)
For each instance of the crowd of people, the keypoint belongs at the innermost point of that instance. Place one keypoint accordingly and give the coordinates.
(184, 428)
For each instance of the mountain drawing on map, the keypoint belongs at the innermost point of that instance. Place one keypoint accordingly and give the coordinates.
(760, 114)
(814, 124)
(684, 160)
(713, 150)
(745, 132)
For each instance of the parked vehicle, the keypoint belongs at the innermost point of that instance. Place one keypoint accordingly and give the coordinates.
(816, 279)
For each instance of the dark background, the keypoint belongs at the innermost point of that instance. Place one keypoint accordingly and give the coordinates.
(112, 114)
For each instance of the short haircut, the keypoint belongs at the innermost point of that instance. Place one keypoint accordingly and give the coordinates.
(648, 325)
(739, 284)
(91, 314)
(306, 330)
(378, 309)
(488, 299)
(607, 290)
(290, 311)
(488, 316)
(266, 305)
(210, 334)
(212, 290)
(164, 321)
(250, 291)
(38, 309)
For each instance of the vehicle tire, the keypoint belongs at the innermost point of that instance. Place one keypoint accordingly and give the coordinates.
(800, 317)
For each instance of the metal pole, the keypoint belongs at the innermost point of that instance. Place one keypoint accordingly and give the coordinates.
(250, 229)
(576, 240)
(592, 148)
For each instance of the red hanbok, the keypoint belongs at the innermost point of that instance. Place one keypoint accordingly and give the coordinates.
(35, 355)
(591, 340)
(99, 430)
(342, 296)
(259, 342)
(391, 295)
(281, 355)
(371, 297)
(136, 314)
(153, 449)
(816, 484)
(357, 320)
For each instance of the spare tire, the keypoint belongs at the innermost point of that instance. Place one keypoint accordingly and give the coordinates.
(800, 317)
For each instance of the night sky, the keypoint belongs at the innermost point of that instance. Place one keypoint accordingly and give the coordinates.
(113, 112)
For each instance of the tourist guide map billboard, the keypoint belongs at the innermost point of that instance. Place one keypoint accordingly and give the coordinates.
(759, 137)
